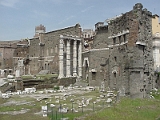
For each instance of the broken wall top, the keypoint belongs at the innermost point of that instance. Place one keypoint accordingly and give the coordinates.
(136, 21)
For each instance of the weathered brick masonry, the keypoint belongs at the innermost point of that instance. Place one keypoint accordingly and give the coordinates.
(121, 56)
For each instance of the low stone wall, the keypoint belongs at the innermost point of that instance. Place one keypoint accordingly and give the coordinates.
(43, 86)
(67, 81)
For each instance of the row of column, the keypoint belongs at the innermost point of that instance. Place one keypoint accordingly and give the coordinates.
(76, 56)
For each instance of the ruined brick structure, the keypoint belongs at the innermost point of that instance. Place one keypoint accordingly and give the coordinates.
(120, 57)
(57, 52)
(122, 54)
(8, 50)
(54, 52)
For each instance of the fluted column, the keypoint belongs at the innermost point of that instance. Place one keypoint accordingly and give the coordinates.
(80, 59)
(61, 74)
(75, 58)
(68, 62)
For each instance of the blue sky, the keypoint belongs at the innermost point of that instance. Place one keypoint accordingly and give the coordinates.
(19, 17)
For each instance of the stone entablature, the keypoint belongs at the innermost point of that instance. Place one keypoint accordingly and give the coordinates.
(119, 34)
(96, 50)
(70, 37)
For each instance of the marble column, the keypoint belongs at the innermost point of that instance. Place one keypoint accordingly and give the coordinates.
(75, 58)
(24, 70)
(29, 70)
(61, 74)
(68, 57)
(80, 59)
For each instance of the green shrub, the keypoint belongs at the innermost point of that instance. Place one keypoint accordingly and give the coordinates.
(56, 87)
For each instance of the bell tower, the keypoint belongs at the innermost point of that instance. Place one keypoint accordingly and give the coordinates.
(39, 29)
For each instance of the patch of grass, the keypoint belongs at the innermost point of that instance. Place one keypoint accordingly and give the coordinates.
(26, 116)
(2, 101)
(156, 94)
(28, 105)
(46, 76)
(130, 109)
(26, 77)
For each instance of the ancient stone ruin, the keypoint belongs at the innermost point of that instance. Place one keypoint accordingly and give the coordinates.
(121, 55)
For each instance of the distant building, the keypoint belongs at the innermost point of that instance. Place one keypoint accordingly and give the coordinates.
(7, 52)
(155, 24)
(98, 25)
(88, 35)
(156, 42)
(39, 29)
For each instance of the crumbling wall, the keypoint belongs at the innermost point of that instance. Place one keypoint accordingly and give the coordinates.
(7, 49)
(34, 51)
(131, 32)
(100, 40)
(97, 69)
(128, 38)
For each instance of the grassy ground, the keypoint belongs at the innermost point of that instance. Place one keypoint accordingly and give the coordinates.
(33, 107)
(125, 109)
(130, 109)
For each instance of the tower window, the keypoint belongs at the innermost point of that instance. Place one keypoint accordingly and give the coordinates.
(119, 39)
(93, 75)
(115, 59)
(114, 41)
(124, 38)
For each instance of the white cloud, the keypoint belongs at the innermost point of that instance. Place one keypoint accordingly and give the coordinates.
(88, 8)
(66, 19)
(9, 3)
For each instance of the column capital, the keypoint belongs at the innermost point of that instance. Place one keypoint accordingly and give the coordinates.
(61, 40)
